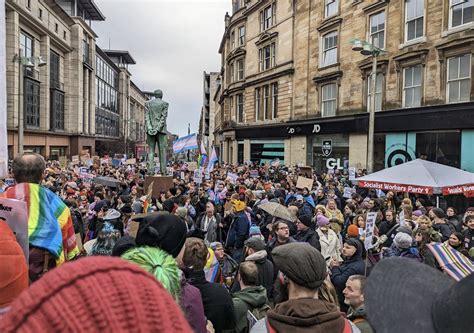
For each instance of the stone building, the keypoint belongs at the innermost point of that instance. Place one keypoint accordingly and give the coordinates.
(424, 93)
(207, 122)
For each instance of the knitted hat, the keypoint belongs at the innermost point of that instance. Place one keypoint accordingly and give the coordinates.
(182, 212)
(402, 240)
(302, 263)
(439, 213)
(254, 231)
(238, 205)
(299, 197)
(353, 231)
(322, 220)
(68, 297)
(417, 213)
(255, 243)
(160, 264)
(163, 230)
(305, 219)
(13, 270)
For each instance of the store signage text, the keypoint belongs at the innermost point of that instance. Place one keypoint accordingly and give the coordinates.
(297, 130)
(332, 163)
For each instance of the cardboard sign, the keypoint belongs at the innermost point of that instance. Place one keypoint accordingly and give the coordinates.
(14, 213)
(303, 182)
(192, 166)
(160, 183)
(63, 162)
(307, 171)
(75, 159)
(369, 230)
(133, 228)
(131, 161)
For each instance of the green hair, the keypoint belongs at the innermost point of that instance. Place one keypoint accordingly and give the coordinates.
(160, 264)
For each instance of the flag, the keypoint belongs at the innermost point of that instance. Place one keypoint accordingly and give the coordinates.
(212, 160)
(188, 142)
(202, 156)
(451, 261)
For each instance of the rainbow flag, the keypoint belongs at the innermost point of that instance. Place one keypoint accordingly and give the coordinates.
(451, 261)
(49, 220)
(212, 270)
(202, 156)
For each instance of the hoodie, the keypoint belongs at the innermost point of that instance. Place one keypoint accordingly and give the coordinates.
(248, 299)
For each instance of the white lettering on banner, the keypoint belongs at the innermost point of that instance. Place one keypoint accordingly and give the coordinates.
(316, 128)
(458, 189)
(332, 162)
(291, 130)
(397, 187)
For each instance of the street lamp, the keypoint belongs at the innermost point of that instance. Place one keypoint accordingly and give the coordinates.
(368, 49)
(23, 63)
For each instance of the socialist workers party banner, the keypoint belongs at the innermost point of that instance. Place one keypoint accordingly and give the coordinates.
(396, 187)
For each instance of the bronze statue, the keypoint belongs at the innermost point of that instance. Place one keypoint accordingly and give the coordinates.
(156, 111)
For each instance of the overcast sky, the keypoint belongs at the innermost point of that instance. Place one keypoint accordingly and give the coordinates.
(173, 42)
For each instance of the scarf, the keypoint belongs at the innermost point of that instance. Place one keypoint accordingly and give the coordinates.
(49, 220)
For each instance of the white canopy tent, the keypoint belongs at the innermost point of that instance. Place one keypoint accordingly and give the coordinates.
(421, 177)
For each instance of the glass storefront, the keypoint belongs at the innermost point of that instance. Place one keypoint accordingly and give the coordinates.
(329, 151)
(265, 152)
(56, 152)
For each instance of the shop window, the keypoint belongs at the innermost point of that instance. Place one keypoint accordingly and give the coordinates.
(459, 79)
(378, 91)
(329, 49)
(329, 100)
(440, 147)
(460, 12)
(265, 152)
(414, 19)
(56, 152)
(412, 88)
(377, 30)
(32, 103)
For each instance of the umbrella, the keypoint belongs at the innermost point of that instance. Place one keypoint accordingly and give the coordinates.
(421, 177)
(277, 210)
(107, 181)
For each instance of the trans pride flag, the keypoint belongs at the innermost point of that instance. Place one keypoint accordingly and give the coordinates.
(212, 160)
(188, 142)
(202, 156)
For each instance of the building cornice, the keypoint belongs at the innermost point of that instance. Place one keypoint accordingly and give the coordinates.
(84, 25)
(376, 6)
(266, 37)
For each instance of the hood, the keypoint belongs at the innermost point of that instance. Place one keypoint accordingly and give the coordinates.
(257, 256)
(254, 296)
(357, 313)
(306, 315)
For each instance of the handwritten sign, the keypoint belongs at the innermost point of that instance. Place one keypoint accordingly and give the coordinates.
(369, 230)
(131, 161)
(303, 182)
(232, 177)
(133, 228)
(254, 173)
(192, 166)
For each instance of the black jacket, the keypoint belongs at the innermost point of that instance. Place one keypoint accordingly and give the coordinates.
(218, 305)
(385, 227)
(308, 236)
(340, 274)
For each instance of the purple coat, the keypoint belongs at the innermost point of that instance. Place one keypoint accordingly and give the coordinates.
(191, 304)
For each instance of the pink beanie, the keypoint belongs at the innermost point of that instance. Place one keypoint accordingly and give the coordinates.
(322, 220)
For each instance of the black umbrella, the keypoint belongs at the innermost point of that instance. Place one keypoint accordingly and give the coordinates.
(107, 181)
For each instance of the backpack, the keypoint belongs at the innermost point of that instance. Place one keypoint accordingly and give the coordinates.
(260, 312)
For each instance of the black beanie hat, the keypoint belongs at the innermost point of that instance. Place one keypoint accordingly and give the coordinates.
(305, 219)
(165, 231)
(438, 212)
(122, 245)
(302, 263)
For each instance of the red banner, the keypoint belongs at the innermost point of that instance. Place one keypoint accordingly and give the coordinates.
(397, 187)
(467, 190)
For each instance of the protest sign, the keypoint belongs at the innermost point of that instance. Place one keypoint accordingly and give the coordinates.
(131, 161)
(369, 230)
(192, 166)
(303, 182)
(63, 162)
(254, 173)
(182, 175)
(14, 213)
(275, 162)
(232, 177)
(96, 160)
(198, 176)
(207, 175)
(75, 159)
(306, 171)
(352, 173)
(347, 192)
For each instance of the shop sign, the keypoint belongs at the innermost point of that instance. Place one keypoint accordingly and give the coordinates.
(298, 130)
(327, 147)
(334, 163)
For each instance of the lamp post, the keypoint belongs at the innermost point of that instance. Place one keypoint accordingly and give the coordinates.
(368, 49)
(23, 63)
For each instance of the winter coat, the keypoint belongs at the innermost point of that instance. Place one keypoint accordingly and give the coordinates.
(218, 305)
(308, 236)
(335, 214)
(191, 303)
(248, 299)
(330, 245)
(456, 223)
(359, 318)
(339, 275)
(238, 231)
(212, 228)
(444, 229)
(301, 316)
(468, 242)
(385, 227)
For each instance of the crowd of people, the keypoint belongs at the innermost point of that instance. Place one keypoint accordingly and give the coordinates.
(213, 257)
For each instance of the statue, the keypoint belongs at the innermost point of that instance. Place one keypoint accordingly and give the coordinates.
(156, 111)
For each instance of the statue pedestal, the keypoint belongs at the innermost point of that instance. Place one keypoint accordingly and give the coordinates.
(160, 183)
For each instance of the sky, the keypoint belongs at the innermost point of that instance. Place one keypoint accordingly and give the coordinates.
(172, 42)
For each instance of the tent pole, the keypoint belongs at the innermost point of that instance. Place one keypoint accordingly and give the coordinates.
(437, 201)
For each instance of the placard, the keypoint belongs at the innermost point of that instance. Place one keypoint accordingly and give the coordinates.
(232, 177)
(352, 173)
(75, 159)
(306, 171)
(14, 212)
(131, 161)
(192, 166)
(63, 162)
(198, 176)
(254, 173)
(369, 230)
(133, 228)
(347, 192)
(303, 182)
(160, 183)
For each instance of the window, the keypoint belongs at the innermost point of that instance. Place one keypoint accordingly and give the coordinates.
(241, 35)
(56, 27)
(64, 34)
(231, 72)
(40, 14)
(414, 17)
(330, 8)
(459, 79)
(267, 57)
(267, 17)
(377, 30)
(460, 12)
(57, 110)
(240, 69)
(232, 40)
(32, 103)
(412, 86)
(85, 51)
(266, 102)
(240, 108)
(329, 56)
(28, 4)
(26, 45)
(378, 91)
(329, 100)
(54, 63)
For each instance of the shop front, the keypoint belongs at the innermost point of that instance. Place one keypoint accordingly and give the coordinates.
(328, 151)
(264, 151)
